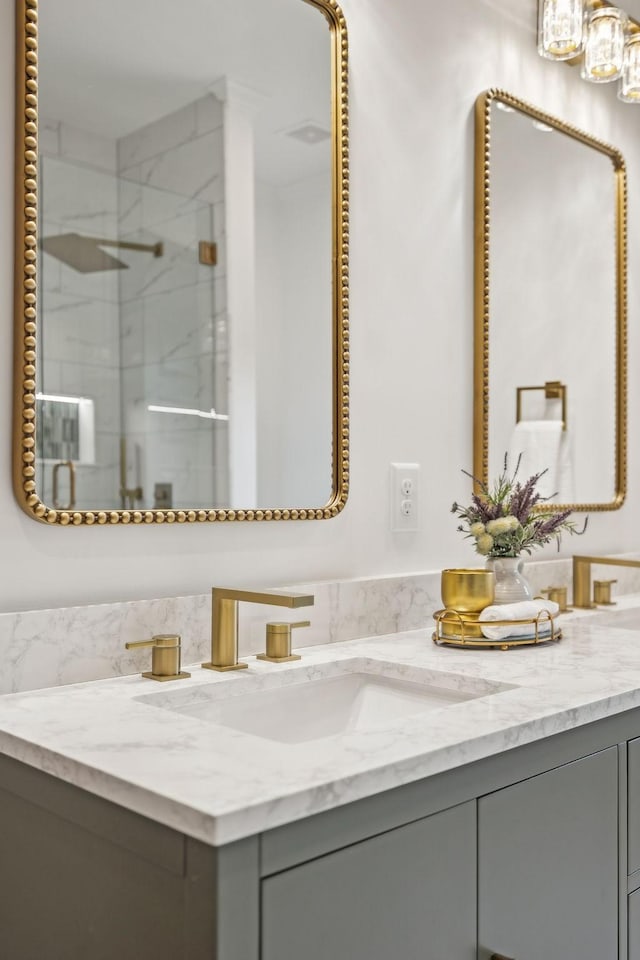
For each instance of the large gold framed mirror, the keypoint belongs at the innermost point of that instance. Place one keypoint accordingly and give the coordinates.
(181, 286)
(550, 351)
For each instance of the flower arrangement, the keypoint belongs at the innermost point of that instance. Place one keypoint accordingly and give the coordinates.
(503, 522)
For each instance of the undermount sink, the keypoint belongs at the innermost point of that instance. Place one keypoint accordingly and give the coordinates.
(323, 700)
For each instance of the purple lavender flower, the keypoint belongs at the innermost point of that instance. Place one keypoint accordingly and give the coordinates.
(511, 518)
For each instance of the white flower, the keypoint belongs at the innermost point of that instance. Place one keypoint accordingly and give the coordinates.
(476, 529)
(484, 543)
(498, 526)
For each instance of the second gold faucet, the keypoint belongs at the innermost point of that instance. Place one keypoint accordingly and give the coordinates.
(582, 579)
(224, 621)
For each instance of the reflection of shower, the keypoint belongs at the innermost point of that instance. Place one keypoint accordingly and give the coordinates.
(85, 255)
(101, 331)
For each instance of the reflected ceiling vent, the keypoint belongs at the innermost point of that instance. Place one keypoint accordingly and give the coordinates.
(309, 132)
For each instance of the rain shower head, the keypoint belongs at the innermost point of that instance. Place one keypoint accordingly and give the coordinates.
(85, 255)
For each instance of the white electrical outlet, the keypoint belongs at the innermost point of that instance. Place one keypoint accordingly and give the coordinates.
(404, 489)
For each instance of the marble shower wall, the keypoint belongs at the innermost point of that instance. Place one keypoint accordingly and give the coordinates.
(171, 190)
(80, 311)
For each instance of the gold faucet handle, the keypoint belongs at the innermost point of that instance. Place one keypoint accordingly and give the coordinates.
(602, 592)
(279, 642)
(166, 651)
(557, 595)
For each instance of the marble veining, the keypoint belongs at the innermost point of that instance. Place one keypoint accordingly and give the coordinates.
(109, 737)
(44, 648)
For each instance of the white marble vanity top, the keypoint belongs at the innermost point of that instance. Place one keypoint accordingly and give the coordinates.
(219, 784)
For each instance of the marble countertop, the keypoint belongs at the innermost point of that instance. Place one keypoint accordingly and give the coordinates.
(218, 784)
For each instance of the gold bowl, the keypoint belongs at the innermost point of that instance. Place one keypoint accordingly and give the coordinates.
(468, 590)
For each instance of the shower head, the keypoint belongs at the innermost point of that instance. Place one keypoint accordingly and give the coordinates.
(85, 255)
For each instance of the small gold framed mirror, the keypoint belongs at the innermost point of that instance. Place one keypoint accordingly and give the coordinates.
(550, 324)
(181, 261)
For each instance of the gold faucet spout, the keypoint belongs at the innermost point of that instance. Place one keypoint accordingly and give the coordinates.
(224, 620)
(582, 576)
(264, 596)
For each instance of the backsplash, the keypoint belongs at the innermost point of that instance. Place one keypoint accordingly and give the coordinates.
(43, 648)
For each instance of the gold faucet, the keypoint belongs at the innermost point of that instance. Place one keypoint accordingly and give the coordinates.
(224, 621)
(582, 577)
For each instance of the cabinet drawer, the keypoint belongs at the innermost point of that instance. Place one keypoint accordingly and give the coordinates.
(548, 864)
(633, 815)
(409, 894)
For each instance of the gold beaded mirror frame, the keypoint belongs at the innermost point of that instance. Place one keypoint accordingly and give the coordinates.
(532, 340)
(28, 333)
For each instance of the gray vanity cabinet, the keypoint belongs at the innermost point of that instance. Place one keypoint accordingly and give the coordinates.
(633, 847)
(545, 854)
(522, 854)
(633, 836)
(407, 894)
(548, 864)
(634, 926)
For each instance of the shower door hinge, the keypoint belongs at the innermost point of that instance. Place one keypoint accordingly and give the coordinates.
(208, 253)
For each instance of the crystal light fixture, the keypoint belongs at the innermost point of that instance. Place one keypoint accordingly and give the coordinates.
(630, 84)
(604, 50)
(603, 37)
(560, 29)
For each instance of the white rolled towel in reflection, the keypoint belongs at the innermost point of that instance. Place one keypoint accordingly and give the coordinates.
(544, 445)
(525, 610)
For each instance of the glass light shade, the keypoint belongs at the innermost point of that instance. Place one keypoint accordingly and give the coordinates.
(630, 84)
(560, 29)
(604, 50)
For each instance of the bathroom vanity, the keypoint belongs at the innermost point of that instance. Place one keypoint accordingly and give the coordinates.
(497, 814)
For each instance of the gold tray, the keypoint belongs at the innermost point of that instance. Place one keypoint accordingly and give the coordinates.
(460, 626)
(465, 630)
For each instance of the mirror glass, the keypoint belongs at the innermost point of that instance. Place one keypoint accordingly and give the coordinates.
(551, 266)
(187, 326)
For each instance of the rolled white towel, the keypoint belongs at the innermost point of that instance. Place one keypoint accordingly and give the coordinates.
(536, 445)
(526, 610)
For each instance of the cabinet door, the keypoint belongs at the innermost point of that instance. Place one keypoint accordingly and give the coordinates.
(547, 864)
(409, 894)
(633, 770)
(634, 926)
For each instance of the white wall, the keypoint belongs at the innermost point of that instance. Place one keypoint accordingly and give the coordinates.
(413, 83)
(294, 370)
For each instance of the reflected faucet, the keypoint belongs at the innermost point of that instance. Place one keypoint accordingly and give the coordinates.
(224, 621)
(582, 577)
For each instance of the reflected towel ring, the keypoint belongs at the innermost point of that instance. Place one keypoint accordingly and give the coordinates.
(553, 390)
